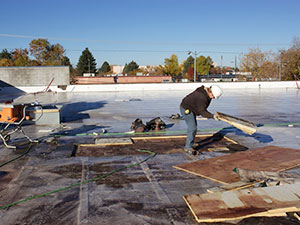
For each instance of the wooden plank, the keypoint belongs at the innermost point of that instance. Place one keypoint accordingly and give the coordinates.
(220, 169)
(113, 141)
(228, 139)
(218, 149)
(232, 205)
(244, 125)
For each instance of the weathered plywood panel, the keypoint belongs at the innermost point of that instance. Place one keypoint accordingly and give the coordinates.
(220, 169)
(231, 205)
(244, 125)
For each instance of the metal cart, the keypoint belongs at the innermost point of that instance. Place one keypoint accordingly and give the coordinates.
(12, 118)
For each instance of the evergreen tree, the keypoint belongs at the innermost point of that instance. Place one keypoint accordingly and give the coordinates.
(105, 67)
(6, 58)
(130, 67)
(86, 63)
(65, 61)
(5, 54)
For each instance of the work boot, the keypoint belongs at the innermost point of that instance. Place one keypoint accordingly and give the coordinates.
(189, 151)
(196, 146)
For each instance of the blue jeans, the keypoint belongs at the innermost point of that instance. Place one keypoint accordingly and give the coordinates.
(191, 123)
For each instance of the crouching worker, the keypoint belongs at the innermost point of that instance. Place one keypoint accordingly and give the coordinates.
(195, 104)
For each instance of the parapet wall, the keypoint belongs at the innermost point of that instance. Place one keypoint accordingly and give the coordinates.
(35, 75)
(159, 87)
(180, 86)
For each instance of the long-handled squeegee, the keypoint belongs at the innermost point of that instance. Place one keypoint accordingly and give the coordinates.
(244, 125)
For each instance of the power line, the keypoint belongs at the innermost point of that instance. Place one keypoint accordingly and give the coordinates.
(140, 43)
(151, 51)
(143, 51)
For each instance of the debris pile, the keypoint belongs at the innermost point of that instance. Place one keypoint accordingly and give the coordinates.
(153, 125)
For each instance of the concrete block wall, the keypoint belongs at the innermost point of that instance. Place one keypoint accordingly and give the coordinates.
(35, 75)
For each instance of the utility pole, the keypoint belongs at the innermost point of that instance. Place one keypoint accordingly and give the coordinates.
(221, 66)
(195, 66)
(280, 65)
(235, 65)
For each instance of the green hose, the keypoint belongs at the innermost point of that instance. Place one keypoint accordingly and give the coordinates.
(152, 154)
(280, 124)
(28, 149)
(166, 132)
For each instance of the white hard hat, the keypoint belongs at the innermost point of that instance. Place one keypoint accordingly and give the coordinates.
(216, 91)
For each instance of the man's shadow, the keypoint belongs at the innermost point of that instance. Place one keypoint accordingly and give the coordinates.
(74, 111)
(234, 147)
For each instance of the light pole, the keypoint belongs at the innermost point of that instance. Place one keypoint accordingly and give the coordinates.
(235, 65)
(221, 67)
(280, 65)
(195, 65)
(234, 68)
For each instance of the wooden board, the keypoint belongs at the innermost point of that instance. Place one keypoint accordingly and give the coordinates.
(220, 169)
(244, 125)
(232, 205)
(218, 149)
(113, 141)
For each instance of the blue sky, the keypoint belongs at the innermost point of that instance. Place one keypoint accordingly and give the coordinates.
(148, 31)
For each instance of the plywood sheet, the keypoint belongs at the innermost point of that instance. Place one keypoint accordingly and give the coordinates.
(244, 125)
(232, 205)
(220, 169)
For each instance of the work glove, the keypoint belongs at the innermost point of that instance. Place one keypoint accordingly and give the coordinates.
(187, 112)
(216, 117)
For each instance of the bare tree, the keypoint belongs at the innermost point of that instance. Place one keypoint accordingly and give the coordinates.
(290, 63)
(252, 62)
(296, 43)
(262, 65)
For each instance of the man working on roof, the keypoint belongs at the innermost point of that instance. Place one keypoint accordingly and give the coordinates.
(195, 104)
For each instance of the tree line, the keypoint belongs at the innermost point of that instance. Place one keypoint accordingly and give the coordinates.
(283, 65)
